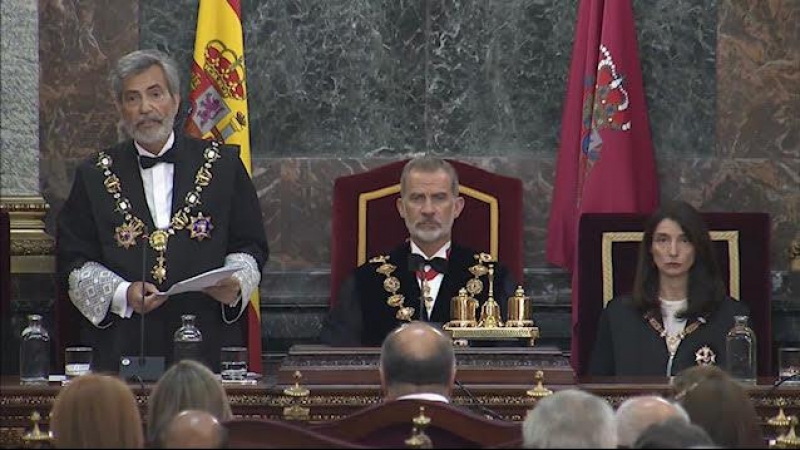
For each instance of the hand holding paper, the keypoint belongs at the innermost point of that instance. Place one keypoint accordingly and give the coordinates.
(202, 281)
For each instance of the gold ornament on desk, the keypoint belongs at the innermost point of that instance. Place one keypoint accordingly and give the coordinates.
(490, 311)
(520, 309)
(539, 391)
(462, 309)
(790, 439)
(296, 393)
(418, 437)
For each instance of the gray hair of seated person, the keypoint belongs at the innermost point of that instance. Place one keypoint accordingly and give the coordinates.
(674, 432)
(570, 419)
(636, 414)
(186, 385)
(429, 164)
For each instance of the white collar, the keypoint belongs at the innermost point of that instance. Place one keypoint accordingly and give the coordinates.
(429, 396)
(441, 253)
(167, 146)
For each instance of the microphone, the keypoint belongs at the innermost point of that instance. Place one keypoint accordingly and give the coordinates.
(784, 379)
(486, 411)
(143, 368)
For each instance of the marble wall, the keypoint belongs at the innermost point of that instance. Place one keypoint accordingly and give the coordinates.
(339, 86)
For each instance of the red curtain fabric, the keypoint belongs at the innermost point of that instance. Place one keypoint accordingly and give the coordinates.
(605, 159)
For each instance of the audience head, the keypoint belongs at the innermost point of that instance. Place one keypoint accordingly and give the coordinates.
(674, 432)
(146, 88)
(636, 414)
(718, 404)
(194, 429)
(570, 419)
(676, 246)
(186, 385)
(96, 411)
(429, 201)
(416, 358)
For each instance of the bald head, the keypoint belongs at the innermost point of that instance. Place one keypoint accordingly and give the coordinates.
(416, 358)
(193, 429)
(636, 414)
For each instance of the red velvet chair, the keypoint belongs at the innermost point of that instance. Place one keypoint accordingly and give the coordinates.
(608, 245)
(389, 424)
(365, 221)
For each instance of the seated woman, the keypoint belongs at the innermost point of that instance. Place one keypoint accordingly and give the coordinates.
(96, 411)
(186, 385)
(679, 312)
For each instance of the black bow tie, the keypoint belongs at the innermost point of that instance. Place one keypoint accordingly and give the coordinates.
(167, 157)
(418, 262)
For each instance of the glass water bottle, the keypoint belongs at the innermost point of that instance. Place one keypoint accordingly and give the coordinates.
(188, 340)
(34, 352)
(740, 351)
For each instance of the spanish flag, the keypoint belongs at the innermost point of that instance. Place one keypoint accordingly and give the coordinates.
(218, 96)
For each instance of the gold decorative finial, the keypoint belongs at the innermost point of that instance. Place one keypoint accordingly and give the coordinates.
(490, 311)
(790, 439)
(297, 390)
(779, 420)
(36, 436)
(418, 437)
(539, 391)
(294, 411)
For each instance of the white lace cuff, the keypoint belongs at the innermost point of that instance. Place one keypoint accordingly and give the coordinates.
(249, 279)
(91, 288)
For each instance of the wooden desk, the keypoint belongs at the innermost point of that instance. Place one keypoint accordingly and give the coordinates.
(342, 381)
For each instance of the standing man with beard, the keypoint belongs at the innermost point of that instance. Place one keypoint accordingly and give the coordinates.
(165, 204)
(368, 308)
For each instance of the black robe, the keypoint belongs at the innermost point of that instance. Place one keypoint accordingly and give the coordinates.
(627, 345)
(86, 232)
(363, 318)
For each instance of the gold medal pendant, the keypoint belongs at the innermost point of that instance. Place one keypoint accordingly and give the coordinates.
(158, 242)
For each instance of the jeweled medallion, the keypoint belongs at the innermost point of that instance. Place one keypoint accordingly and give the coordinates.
(200, 227)
(158, 240)
(704, 356)
(127, 233)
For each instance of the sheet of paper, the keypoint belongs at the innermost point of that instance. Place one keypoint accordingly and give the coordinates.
(202, 281)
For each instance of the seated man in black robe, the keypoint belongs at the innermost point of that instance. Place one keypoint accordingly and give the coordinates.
(418, 278)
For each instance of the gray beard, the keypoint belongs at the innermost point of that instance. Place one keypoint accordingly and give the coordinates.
(154, 137)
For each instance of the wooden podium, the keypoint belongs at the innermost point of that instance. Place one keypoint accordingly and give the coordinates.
(489, 366)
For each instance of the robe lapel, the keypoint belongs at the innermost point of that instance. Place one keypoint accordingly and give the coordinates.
(130, 176)
(186, 165)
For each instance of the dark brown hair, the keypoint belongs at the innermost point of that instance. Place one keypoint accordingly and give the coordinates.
(706, 288)
(96, 411)
(718, 404)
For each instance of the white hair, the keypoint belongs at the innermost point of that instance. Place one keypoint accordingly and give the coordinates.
(570, 419)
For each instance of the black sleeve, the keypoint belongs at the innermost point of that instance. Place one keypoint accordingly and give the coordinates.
(342, 327)
(247, 227)
(76, 234)
(602, 361)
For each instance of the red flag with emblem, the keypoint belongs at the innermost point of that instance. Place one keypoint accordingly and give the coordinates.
(605, 158)
(218, 94)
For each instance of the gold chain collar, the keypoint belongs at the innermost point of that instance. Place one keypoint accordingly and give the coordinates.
(391, 284)
(673, 341)
(133, 227)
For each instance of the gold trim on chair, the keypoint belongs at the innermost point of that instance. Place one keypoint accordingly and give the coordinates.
(494, 216)
(609, 238)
